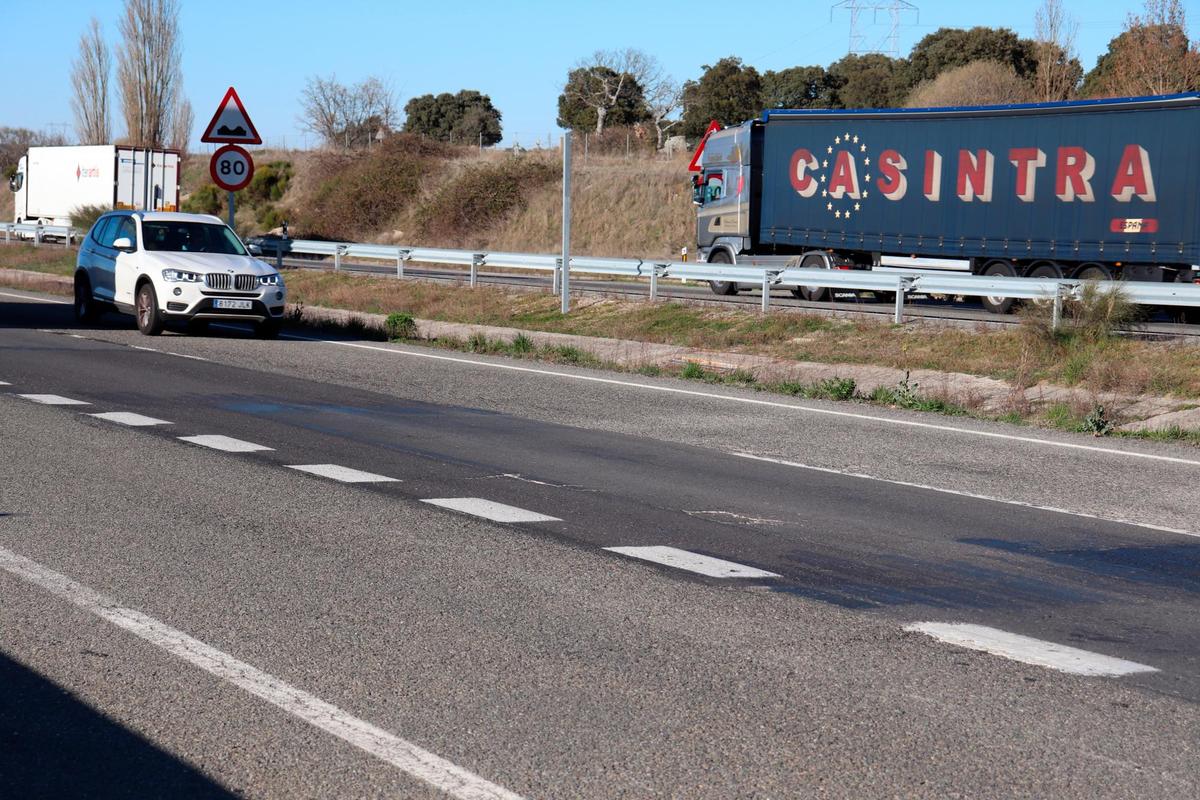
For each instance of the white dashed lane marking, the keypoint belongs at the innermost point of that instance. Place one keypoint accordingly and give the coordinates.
(406, 756)
(496, 512)
(130, 418)
(53, 400)
(5, 383)
(693, 562)
(343, 474)
(226, 443)
(1028, 650)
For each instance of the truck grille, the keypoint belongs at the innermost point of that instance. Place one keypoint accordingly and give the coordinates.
(224, 281)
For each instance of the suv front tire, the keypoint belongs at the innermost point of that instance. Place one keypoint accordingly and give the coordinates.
(149, 319)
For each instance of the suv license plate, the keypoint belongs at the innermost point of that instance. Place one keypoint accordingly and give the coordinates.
(235, 305)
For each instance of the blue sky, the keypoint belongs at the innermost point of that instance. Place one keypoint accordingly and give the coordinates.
(518, 53)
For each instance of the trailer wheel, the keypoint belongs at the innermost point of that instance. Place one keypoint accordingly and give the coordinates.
(1046, 269)
(727, 288)
(999, 269)
(813, 294)
(1094, 272)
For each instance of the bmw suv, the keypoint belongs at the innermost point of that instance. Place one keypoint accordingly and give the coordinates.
(164, 267)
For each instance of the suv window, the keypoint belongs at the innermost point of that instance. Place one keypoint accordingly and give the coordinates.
(125, 228)
(191, 237)
(102, 232)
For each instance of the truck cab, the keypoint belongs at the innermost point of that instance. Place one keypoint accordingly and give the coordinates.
(16, 185)
(723, 192)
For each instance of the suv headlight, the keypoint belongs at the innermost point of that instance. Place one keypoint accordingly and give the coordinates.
(181, 276)
(270, 280)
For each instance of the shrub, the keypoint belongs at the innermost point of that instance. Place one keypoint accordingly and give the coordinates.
(269, 183)
(835, 389)
(522, 344)
(482, 196)
(84, 217)
(1097, 422)
(692, 371)
(400, 325)
(205, 200)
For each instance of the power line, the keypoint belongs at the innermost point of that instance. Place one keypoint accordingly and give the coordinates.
(889, 44)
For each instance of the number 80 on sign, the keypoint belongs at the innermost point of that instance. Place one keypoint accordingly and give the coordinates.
(231, 168)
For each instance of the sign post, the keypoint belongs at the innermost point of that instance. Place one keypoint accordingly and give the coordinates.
(566, 224)
(231, 166)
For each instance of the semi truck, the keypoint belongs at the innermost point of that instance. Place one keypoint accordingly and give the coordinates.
(52, 183)
(1093, 189)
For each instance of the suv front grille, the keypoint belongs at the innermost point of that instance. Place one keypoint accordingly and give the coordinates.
(223, 281)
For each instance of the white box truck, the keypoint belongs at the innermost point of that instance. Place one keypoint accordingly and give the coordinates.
(52, 182)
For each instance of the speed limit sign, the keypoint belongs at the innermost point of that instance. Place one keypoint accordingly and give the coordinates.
(231, 168)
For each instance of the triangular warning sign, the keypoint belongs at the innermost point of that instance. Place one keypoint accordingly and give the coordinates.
(231, 124)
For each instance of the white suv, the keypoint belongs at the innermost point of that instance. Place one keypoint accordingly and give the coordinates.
(163, 266)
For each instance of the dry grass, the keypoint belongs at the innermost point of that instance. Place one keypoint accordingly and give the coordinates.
(51, 258)
(1107, 364)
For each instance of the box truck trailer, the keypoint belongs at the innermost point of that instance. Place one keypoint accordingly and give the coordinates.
(51, 183)
(1099, 189)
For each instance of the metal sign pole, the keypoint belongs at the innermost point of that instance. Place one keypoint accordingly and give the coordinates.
(566, 225)
(231, 210)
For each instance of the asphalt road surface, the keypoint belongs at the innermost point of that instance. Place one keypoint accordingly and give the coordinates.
(318, 567)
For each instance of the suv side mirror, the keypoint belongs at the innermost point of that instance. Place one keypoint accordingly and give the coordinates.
(124, 244)
(254, 249)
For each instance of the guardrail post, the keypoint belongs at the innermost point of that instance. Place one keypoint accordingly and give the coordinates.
(476, 260)
(37, 235)
(278, 258)
(554, 280)
(401, 258)
(902, 287)
(654, 281)
(7, 231)
(337, 258)
(766, 289)
(1056, 318)
(70, 237)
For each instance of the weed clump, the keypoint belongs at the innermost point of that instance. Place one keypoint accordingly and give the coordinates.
(400, 325)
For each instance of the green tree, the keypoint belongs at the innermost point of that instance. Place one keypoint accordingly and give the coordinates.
(797, 87)
(728, 92)
(598, 91)
(869, 81)
(467, 116)
(947, 48)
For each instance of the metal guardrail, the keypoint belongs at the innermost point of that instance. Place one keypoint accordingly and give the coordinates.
(64, 232)
(900, 283)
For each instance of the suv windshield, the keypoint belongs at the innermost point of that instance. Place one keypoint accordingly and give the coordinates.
(191, 237)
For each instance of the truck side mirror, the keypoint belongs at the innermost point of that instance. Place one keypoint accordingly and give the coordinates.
(15, 181)
(124, 244)
(697, 191)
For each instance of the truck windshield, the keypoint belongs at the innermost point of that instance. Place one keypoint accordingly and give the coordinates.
(191, 237)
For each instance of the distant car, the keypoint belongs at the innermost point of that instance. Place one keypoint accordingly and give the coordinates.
(164, 267)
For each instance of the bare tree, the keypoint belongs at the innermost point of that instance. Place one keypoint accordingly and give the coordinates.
(89, 81)
(182, 122)
(663, 98)
(979, 83)
(349, 116)
(149, 77)
(1153, 55)
(1058, 70)
(607, 79)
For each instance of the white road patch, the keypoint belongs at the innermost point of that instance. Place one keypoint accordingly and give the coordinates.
(130, 418)
(226, 443)
(730, 518)
(1028, 650)
(390, 748)
(343, 474)
(692, 562)
(53, 400)
(5, 383)
(972, 495)
(906, 423)
(496, 512)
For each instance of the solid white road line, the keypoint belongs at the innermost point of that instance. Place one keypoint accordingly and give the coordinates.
(693, 562)
(496, 512)
(972, 495)
(343, 474)
(1028, 650)
(907, 423)
(400, 753)
(129, 418)
(229, 445)
(53, 400)
(5, 383)
(36, 299)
